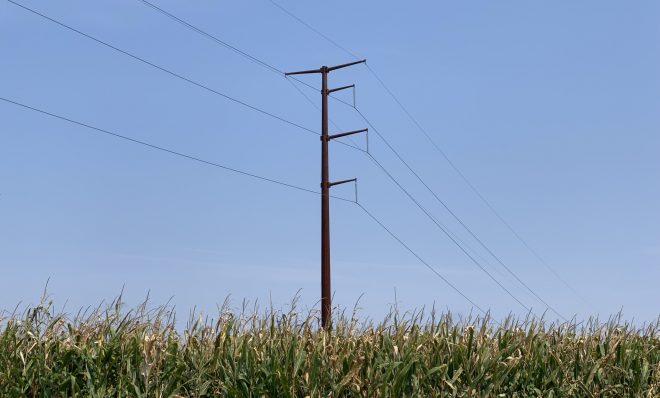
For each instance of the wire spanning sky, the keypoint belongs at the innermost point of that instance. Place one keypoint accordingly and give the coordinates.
(550, 110)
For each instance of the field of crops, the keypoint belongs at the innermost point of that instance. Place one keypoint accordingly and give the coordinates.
(113, 352)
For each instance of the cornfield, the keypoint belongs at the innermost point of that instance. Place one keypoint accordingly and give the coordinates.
(113, 352)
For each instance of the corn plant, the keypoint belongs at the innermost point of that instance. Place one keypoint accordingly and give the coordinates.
(110, 351)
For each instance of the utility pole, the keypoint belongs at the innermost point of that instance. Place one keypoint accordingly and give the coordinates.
(326, 292)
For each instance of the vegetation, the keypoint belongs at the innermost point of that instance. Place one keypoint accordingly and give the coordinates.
(110, 352)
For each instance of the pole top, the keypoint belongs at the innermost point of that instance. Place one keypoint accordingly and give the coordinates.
(325, 69)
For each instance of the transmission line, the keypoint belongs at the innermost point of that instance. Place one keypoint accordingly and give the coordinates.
(474, 189)
(439, 149)
(451, 212)
(421, 260)
(179, 76)
(160, 148)
(446, 232)
(383, 169)
(216, 39)
(248, 105)
(169, 72)
(278, 71)
(456, 217)
(313, 104)
(444, 229)
(246, 174)
(212, 37)
(445, 156)
(244, 54)
(310, 27)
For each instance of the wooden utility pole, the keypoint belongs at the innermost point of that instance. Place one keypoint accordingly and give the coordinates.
(326, 292)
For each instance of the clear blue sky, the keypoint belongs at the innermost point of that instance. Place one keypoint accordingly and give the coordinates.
(552, 109)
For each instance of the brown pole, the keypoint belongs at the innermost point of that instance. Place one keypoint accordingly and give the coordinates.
(326, 292)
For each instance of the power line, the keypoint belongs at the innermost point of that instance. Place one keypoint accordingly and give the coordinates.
(175, 75)
(278, 71)
(453, 214)
(382, 168)
(243, 173)
(418, 257)
(310, 27)
(311, 102)
(474, 188)
(160, 148)
(212, 37)
(436, 146)
(245, 54)
(224, 43)
(456, 217)
(449, 235)
(230, 98)
(444, 229)
(171, 73)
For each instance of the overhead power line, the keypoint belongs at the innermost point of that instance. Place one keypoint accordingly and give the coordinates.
(244, 104)
(244, 54)
(449, 235)
(175, 74)
(382, 168)
(310, 27)
(421, 260)
(163, 149)
(457, 218)
(435, 195)
(437, 148)
(169, 72)
(224, 43)
(212, 37)
(246, 174)
(474, 189)
(444, 229)
(184, 155)
(272, 68)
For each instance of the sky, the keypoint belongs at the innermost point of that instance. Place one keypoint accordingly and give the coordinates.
(550, 109)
